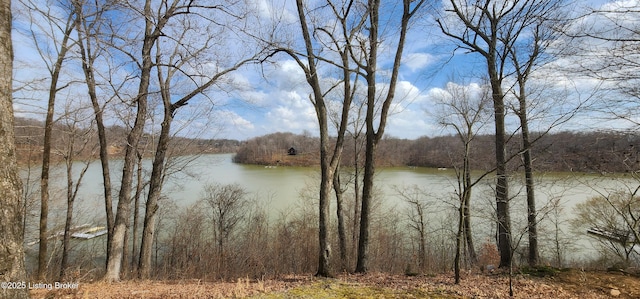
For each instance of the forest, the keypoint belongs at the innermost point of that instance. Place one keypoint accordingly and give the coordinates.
(29, 142)
(584, 152)
(502, 92)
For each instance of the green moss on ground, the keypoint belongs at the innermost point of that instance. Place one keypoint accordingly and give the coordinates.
(332, 288)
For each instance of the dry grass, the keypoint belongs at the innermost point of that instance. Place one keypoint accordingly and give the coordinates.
(242, 288)
(567, 284)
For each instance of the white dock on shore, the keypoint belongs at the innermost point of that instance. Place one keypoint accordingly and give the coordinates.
(90, 233)
(83, 232)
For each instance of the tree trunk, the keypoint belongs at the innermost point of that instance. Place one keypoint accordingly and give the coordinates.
(11, 208)
(464, 224)
(342, 234)
(222, 270)
(529, 184)
(327, 172)
(324, 259)
(373, 135)
(370, 145)
(136, 215)
(367, 193)
(502, 188)
(68, 221)
(468, 235)
(114, 262)
(148, 233)
(328, 161)
(531, 209)
(155, 189)
(523, 72)
(88, 60)
(466, 202)
(128, 257)
(46, 156)
(423, 240)
(357, 199)
(72, 192)
(124, 270)
(44, 207)
(459, 236)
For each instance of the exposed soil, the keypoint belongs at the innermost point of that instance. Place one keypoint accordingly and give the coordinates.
(563, 284)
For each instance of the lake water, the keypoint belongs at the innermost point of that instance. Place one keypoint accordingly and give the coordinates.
(279, 189)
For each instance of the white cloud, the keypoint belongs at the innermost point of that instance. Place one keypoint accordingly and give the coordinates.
(411, 124)
(274, 11)
(236, 121)
(293, 114)
(288, 76)
(255, 97)
(407, 92)
(417, 61)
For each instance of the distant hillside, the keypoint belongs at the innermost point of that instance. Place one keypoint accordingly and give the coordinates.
(565, 151)
(30, 134)
(602, 151)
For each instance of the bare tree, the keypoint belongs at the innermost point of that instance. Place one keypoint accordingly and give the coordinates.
(89, 24)
(614, 220)
(352, 159)
(57, 33)
(464, 109)
(605, 42)
(494, 30)
(77, 142)
(228, 205)
(162, 26)
(179, 64)
(11, 234)
(369, 69)
(418, 211)
(151, 34)
(529, 56)
(338, 37)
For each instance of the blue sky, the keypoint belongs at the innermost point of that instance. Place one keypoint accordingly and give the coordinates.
(279, 100)
(274, 97)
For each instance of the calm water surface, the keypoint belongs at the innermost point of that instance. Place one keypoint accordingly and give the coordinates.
(280, 188)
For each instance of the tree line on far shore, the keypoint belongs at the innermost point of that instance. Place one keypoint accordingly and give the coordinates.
(588, 151)
(592, 151)
(29, 142)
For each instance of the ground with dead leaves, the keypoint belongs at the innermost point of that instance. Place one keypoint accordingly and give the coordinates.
(561, 284)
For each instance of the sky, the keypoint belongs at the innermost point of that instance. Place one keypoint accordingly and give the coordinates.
(274, 97)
